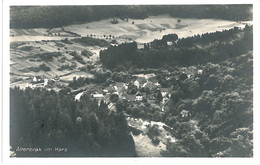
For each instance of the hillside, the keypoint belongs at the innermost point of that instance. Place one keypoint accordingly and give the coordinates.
(195, 50)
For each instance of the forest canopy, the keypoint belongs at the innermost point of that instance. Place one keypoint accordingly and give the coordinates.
(56, 16)
(40, 119)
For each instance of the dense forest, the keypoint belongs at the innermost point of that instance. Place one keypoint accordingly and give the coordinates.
(218, 101)
(42, 119)
(221, 101)
(219, 106)
(56, 16)
(199, 49)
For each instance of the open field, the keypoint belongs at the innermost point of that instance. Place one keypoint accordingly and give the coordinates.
(140, 30)
(143, 144)
(154, 27)
(26, 44)
(25, 56)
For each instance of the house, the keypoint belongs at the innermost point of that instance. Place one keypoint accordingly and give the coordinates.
(37, 79)
(110, 106)
(117, 93)
(164, 91)
(200, 71)
(110, 89)
(34, 79)
(78, 96)
(138, 97)
(169, 43)
(153, 79)
(39, 82)
(125, 86)
(107, 97)
(165, 99)
(190, 75)
(140, 45)
(150, 75)
(139, 82)
(157, 84)
(98, 96)
(115, 87)
(149, 85)
(45, 82)
(185, 114)
(130, 97)
(105, 91)
(40, 85)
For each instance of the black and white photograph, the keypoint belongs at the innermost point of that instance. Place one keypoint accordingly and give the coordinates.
(131, 81)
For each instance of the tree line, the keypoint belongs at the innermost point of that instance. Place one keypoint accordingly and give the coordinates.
(199, 49)
(56, 16)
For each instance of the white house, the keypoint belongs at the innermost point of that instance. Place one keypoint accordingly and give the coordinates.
(200, 71)
(78, 96)
(184, 114)
(140, 46)
(125, 86)
(45, 82)
(37, 79)
(169, 43)
(138, 97)
(164, 91)
(137, 84)
(157, 84)
(34, 79)
(115, 87)
(39, 82)
(98, 97)
(105, 91)
(117, 93)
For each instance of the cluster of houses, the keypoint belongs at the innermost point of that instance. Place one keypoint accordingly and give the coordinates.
(120, 90)
(42, 81)
(149, 45)
(38, 81)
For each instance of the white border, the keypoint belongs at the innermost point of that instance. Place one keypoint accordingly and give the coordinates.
(256, 26)
(126, 2)
(1, 84)
(183, 161)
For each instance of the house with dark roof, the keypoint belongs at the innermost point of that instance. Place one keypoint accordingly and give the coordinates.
(139, 96)
(37, 79)
(164, 91)
(149, 85)
(185, 115)
(139, 82)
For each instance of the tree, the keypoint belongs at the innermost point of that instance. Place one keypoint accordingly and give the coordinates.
(170, 37)
(114, 98)
(153, 131)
